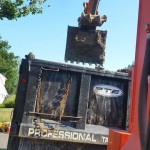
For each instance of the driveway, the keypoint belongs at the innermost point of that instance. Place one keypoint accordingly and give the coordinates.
(3, 140)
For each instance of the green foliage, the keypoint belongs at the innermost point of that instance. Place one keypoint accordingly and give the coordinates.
(1, 105)
(13, 9)
(9, 102)
(130, 66)
(127, 69)
(5, 116)
(8, 66)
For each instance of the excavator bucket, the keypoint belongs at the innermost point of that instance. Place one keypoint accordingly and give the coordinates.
(85, 46)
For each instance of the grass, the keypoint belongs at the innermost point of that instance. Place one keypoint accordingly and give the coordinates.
(5, 114)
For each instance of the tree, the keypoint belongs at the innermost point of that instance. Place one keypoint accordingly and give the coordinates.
(8, 66)
(127, 69)
(13, 9)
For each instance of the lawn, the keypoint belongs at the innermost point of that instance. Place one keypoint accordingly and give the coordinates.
(5, 114)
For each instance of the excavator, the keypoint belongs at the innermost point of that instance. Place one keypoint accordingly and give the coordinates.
(91, 111)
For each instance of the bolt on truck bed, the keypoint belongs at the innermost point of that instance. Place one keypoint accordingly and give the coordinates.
(60, 106)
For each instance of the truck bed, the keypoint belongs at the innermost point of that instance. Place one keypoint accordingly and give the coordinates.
(61, 106)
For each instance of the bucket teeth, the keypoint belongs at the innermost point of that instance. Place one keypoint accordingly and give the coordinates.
(85, 46)
(84, 63)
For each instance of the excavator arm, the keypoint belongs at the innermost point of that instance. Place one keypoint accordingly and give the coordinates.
(84, 43)
(90, 19)
(91, 7)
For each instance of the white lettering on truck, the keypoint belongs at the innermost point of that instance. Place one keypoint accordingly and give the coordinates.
(66, 135)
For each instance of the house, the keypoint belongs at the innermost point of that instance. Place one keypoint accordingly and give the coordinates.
(3, 92)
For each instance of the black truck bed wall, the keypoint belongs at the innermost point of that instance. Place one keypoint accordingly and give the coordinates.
(83, 103)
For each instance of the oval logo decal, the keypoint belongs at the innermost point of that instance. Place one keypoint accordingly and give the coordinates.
(107, 90)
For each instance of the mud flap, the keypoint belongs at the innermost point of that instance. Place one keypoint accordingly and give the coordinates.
(85, 46)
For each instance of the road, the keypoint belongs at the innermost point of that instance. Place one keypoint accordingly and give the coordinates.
(3, 140)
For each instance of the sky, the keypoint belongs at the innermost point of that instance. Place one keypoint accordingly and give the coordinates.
(45, 34)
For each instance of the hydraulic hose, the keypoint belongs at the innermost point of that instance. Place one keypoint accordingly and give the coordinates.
(142, 99)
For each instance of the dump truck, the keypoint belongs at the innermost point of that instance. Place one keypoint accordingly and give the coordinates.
(61, 106)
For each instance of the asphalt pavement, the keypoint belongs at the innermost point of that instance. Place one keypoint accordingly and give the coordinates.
(3, 140)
